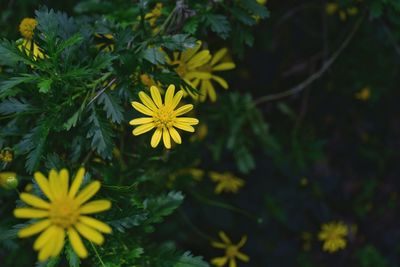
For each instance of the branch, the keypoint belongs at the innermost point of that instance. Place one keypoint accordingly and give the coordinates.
(316, 75)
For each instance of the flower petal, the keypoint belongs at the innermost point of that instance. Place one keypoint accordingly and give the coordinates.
(243, 240)
(54, 182)
(43, 184)
(64, 181)
(218, 55)
(185, 127)
(142, 108)
(47, 249)
(242, 256)
(95, 206)
(139, 121)
(224, 237)
(187, 120)
(76, 243)
(166, 138)
(221, 81)
(218, 244)
(59, 241)
(188, 53)
(232, 262)
(77, 182)
(96, 224)
(220, 261)
(147, 101)
(89, 233)
(87, 192)
(34, 201)
(144, 128)
(184, 109)
(155, 139)
(30, 213)
(155, 94)
(177, 98)
(175, 135)
(169, 95)
(34, 228)
(224, 66)
(199, 59)
(44, 237)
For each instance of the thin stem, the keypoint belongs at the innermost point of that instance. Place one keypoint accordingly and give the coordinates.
(194, 227)
(102, 91)
(97, 254)
(327, 64)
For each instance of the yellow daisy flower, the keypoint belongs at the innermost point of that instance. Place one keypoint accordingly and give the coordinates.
(154, 14)
(216, 64)
(188, 63)
(104, 42)
(231, 251)
(6, 155)
(8, 180)
(28, 46)
(227, 182)
(65, 211)
(333, 235)
(163, 116)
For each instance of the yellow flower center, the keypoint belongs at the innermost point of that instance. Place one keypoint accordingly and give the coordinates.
(164, 117)
(64, 212)
(27, 26)
(231, 251)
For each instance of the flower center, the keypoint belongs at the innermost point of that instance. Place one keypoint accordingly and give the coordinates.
(231, 251)
(27, 27)
(181, 69)
(164, 117)
(64, 212)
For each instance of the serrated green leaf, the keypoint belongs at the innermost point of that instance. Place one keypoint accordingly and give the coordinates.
(218, 24)
(112, 107)
(7, 85)
(45, 85)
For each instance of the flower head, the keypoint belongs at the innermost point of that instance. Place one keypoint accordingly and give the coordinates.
(163, 116)
(216, 64)
(27, 26)
(8, 180)
(333, 235)
(231, 251)
(154, 14)
(6, 155)
(227, 182)
(104, 42)
(64, 211)
(364, 94)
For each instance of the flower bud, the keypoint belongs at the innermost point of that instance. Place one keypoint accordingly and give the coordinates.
(8, 180)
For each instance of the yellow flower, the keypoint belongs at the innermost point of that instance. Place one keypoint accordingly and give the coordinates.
(214, 65)
(65, 212)
(163, 116)
(154, 14)
(8, 180)
(227, 182)
(105, 42)
(231, 251)
(188, 63)
(6, 155)
(262, 2)
(148, 81)
(333, 235)
(331, 8)
(364, 94)
(27, 26)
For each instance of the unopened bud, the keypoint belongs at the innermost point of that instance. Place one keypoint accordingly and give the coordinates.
(8, 180)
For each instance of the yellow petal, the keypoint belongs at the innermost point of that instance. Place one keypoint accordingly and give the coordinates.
(184, 109)
(155, 94)
(185, 127)
(89, 233)
(95, 206)
(210, 90)
(30, 213)
(166, 138)
(218, 244)
(232, 262)
(175, 135)
(34, 228)
(96, 224)
(199, 59)
(43, 183)
(142, 108)
(77, 182)
(177, 98)
(59, 241)
(224, 66)
(155, 139)
(188, 53)
(76, 243)
(64, 181)
(221, 81)
(47, 249)
(55, 183)
(169, 95)
(139, 121)
(187, 120)
(220, 261)
(242, 256)
(147, 101)
(44, 237)
(243, 240)
(224, 237)
(87, 192)
(144, 128)
(34, 201)
(198, 74)
(218, 56)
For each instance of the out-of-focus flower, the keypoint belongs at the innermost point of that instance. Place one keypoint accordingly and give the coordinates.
(231, 251)
(6, 155)
(226, 182)
(27, 27)
(333, 235)
(28, 46)
(8, 180)
(65, 211)
(154, 14)
(262, 2)
(163, 116)
(148, 81)
(104, 42)
(201, 133)
(332, 8)
(364, 94)
(216, 64)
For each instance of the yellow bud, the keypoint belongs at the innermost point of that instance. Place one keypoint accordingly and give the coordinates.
(8, 180)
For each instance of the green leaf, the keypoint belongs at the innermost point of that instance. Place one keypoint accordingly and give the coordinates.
(10, 54)
(112, 106)
(45, 85)
(162, 206)
(219, 24)
(101, 134)
(154, 55)
(188, 260)
(13, 105)
(255, 8)
(178, 42)
(73, 259)
(7, 85)
(35, 155)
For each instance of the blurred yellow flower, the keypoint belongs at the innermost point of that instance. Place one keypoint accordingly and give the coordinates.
(154, 14)
(28, 46)
(104, 42)
(227, 182)
(8, 180)
(148, 80)
(65, 211)
(6, 155)
(333, 235)
(231, 251)
(364, 94)
(163, 116)
(333, 8)
(216, 64)
(262, 2)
